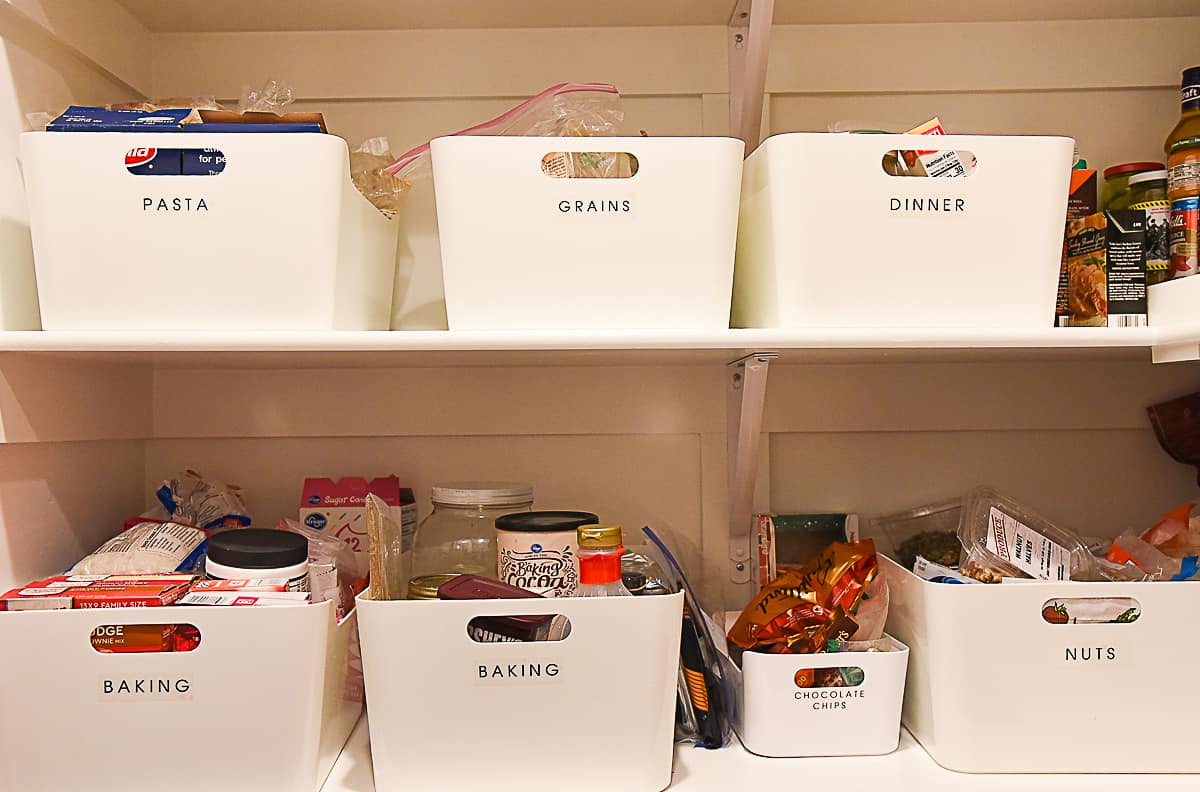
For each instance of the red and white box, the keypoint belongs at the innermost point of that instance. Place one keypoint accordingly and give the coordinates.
(338, 507)
(64, 592)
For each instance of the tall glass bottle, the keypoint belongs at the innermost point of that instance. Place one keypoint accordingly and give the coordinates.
(1189, 116)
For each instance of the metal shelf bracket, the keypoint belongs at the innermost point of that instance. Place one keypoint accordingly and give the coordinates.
(749, 42)
(745, 395)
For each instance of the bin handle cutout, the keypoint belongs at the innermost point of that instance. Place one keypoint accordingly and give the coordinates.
(149, 161)
(1091, 610)
(927, 163)
(844, 676)
(589, 165)
(144, 638)
(519, 629)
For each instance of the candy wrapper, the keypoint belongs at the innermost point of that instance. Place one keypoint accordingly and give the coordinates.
(802, 611)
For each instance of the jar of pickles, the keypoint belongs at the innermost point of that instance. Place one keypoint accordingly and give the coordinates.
(459, 536)
(1115, 194)
(1148, 194)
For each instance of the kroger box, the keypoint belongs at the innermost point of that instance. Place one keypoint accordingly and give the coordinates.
(338, 507)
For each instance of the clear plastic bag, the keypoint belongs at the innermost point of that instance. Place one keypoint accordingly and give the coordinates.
(334, 570)
(368, 171)
(706, 674)
(272, 97)
(190, 498)
(563, 110)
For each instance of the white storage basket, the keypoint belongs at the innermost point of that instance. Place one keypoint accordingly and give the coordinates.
(278, 240)
(780, 713)
(827, 238)
(994, 687)
(522, 250)
(265, 702)
(594, 712)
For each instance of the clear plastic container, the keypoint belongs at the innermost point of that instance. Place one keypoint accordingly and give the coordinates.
(459, 536)
(1001, 538)
(930, 531)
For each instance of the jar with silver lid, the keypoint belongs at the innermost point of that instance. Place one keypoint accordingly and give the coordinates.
(459, 535)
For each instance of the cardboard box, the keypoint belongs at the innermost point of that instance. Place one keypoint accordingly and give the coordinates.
(1106, 269)
(1082, 200)
(64, 592)
(337, 507)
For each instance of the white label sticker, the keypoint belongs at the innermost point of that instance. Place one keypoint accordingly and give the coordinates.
(1026, 549)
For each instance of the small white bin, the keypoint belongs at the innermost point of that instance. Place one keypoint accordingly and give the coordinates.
(265, 702)
(594, 712)
(994, 687)
(524, 251)
(278, 240)
(780, 713)
(827, 238)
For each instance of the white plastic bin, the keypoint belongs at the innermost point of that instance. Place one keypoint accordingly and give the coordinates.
(265, 702)
(278, 240)
(522, 250)
(828, 239)
(1174, 303)
(594, 712)
(994, 687)
(780, 713)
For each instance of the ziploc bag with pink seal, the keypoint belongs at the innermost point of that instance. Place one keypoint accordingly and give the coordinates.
(563, 110)
(1003, 539)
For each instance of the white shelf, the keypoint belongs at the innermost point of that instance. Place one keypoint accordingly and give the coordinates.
(287, 349)
(734, 768)
(266, 15)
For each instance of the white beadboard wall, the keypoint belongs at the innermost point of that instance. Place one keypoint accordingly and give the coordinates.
(85, 440)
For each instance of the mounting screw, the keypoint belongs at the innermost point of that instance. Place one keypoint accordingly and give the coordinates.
(737, 380)
(743, 14)
(739, 40)
(739, 566)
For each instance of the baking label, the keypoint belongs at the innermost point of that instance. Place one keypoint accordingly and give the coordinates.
(122, 689)
(522, 672)
(1026, 549)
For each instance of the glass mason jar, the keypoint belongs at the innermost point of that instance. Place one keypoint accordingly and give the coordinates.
(459, 536)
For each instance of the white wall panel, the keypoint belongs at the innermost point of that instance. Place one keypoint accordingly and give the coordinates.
(440, 63)
(47, 399)
(944, 396)
(59, 501)
(1096, 482)
(464, 401)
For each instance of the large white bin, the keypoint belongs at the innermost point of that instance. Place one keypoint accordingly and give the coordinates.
(265, 703)
(827, 238)
(594, 712)
(522, 250)
(278, 240)
(993, 687)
